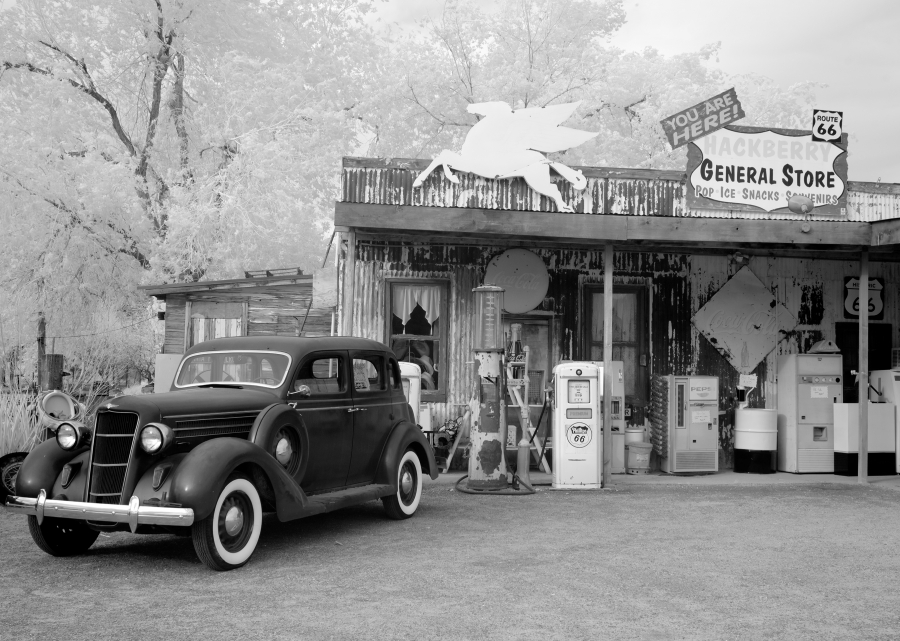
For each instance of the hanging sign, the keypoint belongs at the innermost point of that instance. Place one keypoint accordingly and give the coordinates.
(827, 126)
(703, 118)
(743, 321)
(524, 277)
(757, 169)
(851, 298)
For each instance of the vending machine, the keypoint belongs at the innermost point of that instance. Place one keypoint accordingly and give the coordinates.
(808, 387)
(685, 418)
(577, 423)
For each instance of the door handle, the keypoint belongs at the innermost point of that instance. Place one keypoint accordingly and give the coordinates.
(357, 409)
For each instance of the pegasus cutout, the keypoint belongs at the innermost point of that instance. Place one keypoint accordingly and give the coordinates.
(507, 143)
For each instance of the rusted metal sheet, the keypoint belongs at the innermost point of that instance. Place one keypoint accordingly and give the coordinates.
(608, 191)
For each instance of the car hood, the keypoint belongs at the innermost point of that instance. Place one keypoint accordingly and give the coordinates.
(191, 401)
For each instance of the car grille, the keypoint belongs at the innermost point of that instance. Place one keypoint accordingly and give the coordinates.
(215, 426)
(113, 441)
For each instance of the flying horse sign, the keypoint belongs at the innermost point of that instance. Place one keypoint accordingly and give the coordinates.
(510, 143)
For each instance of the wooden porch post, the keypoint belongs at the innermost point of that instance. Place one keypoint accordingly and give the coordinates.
(863, 469)
(607, 357)
(349, 284)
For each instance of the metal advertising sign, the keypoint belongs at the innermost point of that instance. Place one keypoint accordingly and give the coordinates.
(743, 321)
(759, 169)
(851, 298)
(703, 118)
(827, 126)
(524, 277)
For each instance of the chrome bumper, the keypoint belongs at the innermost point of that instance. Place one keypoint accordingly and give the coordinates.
(133, 514)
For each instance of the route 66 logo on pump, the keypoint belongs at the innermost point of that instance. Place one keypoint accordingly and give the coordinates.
(827, 126)
(578, 435)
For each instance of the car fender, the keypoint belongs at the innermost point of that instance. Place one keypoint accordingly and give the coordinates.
(405, 435)
(200, 476)
(42, 466)
(273, 418)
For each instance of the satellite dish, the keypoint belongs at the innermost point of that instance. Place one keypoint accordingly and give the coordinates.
(801, 205)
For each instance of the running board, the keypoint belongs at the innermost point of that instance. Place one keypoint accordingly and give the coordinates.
(331, 501)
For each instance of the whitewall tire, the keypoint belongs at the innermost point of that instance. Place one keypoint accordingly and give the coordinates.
(405, 501)
(227, 538)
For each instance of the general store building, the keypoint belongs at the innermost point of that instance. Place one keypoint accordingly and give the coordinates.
(410, 257)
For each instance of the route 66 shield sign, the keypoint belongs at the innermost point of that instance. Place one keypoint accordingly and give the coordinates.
(875, 303)
(827, 126)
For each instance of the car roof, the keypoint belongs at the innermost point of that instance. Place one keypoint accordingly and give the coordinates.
(295, 346)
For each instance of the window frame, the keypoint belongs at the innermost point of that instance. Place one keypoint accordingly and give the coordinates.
(427, 396)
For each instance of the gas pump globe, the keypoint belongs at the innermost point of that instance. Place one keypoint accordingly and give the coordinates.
(488, 318)
(487, 460)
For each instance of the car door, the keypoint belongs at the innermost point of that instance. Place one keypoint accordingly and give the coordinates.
(374, 413)
(321, 394)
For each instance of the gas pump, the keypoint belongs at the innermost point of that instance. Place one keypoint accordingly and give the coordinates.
(487, 457)
(577, 423)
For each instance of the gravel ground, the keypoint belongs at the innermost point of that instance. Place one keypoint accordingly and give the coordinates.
(640, 562)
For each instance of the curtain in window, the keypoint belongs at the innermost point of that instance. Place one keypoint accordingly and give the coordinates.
(405, 297)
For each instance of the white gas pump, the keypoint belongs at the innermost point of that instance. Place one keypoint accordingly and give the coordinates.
(885, 388)
(577, 421)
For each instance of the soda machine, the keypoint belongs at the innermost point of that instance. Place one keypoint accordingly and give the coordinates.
(808, 387)
(684, 413)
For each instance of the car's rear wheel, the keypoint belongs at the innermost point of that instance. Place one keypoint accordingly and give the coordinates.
(405, 501)
(61, 537)
(227, 538)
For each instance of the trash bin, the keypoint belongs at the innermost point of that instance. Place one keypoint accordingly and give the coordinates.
(755, 440)
(637, 458)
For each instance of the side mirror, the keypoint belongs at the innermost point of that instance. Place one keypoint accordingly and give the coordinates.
(302, 390)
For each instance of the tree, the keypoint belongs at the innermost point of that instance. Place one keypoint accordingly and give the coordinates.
(540, 52)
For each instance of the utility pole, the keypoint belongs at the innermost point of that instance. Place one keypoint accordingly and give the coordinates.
(41, 349)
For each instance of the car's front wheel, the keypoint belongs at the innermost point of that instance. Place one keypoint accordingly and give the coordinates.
(403, 504)
(61, 537)
(227, 538)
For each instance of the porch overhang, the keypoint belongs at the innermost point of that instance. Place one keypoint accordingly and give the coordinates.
(639, 233)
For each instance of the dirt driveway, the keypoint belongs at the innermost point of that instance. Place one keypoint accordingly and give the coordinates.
(643, 562)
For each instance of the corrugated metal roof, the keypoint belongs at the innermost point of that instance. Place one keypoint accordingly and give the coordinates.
(610, 190)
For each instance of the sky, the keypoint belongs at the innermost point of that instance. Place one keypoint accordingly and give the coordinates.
(852, 46)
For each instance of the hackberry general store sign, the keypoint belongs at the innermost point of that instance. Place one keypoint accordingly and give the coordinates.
(757, 169)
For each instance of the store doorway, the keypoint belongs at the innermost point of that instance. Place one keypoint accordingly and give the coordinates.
(537, 335)
(847, 340)
(630, 332)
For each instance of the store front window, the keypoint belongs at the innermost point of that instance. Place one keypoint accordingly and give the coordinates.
(209, 320)
(417, 331)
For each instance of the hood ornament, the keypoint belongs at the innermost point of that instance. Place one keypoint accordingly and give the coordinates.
(109, 406)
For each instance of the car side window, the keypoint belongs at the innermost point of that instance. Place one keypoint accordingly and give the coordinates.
(321, 376)
(368, 373)
(394, 374)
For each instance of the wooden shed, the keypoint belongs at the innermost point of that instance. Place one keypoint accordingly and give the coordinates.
(275, 302)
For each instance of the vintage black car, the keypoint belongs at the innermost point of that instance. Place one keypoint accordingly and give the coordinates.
(295, 426)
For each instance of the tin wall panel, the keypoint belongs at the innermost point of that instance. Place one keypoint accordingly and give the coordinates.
(679, 285)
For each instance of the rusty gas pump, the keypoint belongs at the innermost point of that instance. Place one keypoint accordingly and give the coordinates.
(487, 454)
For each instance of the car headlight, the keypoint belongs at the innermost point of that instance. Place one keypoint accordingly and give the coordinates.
(156, 437)
(71, 435)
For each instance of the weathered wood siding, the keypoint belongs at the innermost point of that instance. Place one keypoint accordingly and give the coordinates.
(272, 311)
(174, 340)
(679, 285)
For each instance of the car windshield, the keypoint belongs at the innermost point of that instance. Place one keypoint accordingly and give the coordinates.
(266, 369)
